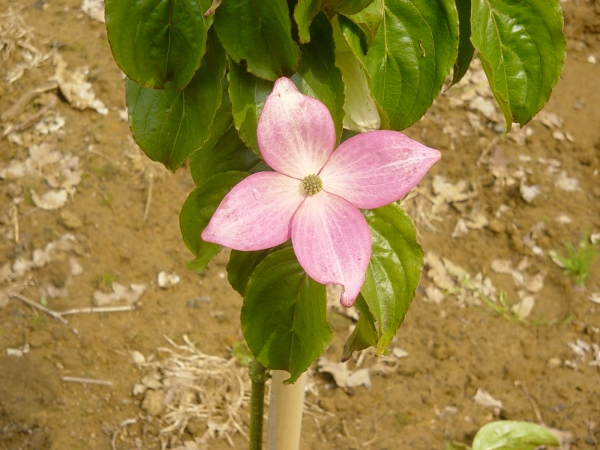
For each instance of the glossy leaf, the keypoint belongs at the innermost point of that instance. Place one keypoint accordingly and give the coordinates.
(197, 212)
(522, 49)
(412, 53)
(368, 19)
(348, 6)
(393, 273)
(304, 12)
(169, 125)
(284, 315)
(248, 95)
(228, 154)
(317, 75)
(361, 110)
(258, 32)
(158, 41)
(242, 264)
(364, 334)
(465, 47)
(513, 435)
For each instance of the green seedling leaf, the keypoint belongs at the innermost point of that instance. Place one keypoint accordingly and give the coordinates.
(228, 154)
(465, 47)
(393, 272)
(248, 95)
(241, 352)
(258, 32)
(317, 75)
(169, 125)
(512, 435)
(578, 261)
(304, 12)
(197, 212)
(284, 315)
(522, 50)
(348, 6)
(364, 334)
(158, 41)
(412, 53)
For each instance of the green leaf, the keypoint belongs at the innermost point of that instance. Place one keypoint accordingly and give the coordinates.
(364, 334)
(284, 315)
(362, 113)
(197, 211)
(512, 435)
(348, 6)
(317, 76)
(465, 47)
(393, 272)
(228, 154)
(369, 19)
(241, 265)
(412, 53)
(169, 125)
(522, 50)
(248, 95)
(304, 13)
(258, 32)
(158, 41)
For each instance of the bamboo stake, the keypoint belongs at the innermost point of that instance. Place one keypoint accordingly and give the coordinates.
(285, 412)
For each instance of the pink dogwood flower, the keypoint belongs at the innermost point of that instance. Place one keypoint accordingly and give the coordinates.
(314, 194)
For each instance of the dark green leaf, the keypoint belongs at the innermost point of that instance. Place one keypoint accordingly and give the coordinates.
(393, 273)
(248, 95)
(158, 41)
(513, 435)
(258, 32)
(171, 124)
(197, 211)
(284, 315)
(522, 50)
(317, 74)
(241, 265)
(304, 13)
(228, 154)
(465, 47)
(348, 6)
(364, 334)
(411, 55)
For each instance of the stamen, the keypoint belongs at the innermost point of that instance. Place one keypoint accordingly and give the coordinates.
(312, 184)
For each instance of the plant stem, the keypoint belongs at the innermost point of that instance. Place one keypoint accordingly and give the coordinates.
(285, 412)
(258, 376)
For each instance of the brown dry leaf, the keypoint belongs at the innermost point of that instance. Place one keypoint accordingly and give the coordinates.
(51, 200)
(342, 376)
(120, 292)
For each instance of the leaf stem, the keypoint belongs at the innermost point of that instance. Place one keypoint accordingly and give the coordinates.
(258, 376)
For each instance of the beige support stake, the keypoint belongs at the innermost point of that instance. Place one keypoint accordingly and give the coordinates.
(285, 412)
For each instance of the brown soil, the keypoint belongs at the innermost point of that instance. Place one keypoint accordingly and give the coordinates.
(455, 346)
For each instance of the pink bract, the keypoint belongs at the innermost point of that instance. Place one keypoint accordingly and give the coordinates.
(330, 235)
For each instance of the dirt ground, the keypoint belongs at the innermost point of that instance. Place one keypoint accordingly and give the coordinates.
(489, 215)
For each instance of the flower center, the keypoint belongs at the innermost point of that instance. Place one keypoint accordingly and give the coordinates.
(312, 184)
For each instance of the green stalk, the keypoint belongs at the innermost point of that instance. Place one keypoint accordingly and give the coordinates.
(258, 376)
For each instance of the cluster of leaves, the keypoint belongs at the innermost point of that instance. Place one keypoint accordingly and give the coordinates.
(199, 73)
(578, 261)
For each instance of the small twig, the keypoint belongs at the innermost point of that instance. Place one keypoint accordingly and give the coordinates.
(99, 309)
(30, 120)
(86, 381)
(532, 402)
(42, 308)
(149, 198)
(20, 104)
(15, 221)
(106, 199)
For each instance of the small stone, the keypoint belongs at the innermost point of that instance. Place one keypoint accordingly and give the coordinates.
(69, 220)
(152, 402)
(553, 363)
(497, 226)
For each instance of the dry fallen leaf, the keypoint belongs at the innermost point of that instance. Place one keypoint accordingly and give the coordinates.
(50, 200)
